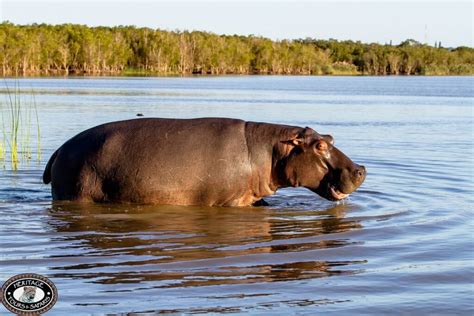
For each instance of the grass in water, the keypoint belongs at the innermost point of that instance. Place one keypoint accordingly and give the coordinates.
(16, 125)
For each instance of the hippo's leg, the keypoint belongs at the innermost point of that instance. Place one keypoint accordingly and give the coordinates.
(261, 202)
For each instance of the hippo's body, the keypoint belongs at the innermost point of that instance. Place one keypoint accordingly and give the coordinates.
(208, 161)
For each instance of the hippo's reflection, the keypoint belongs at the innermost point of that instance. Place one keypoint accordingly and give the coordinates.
(191, 246)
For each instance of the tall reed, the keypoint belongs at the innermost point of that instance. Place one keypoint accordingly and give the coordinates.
(38, 132)
(16, 125)
(3, 143)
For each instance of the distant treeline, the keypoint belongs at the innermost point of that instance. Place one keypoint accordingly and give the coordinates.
(41, 49)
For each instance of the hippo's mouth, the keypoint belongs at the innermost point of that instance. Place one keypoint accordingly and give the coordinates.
(330, 191)
(336, 194)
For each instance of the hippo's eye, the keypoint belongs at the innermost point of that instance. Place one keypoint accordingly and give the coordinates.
(321, 146)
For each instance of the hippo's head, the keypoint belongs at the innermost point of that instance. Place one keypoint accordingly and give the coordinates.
(315, 163)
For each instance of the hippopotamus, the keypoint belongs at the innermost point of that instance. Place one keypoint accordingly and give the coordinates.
(203, 161)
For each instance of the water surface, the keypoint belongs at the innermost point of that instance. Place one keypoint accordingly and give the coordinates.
(402, 243)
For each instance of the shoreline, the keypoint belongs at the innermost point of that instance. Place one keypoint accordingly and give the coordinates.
(157, 75)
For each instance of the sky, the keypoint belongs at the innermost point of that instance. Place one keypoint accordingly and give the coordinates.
(448, 22)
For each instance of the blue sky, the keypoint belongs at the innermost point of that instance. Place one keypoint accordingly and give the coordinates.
(450, 22)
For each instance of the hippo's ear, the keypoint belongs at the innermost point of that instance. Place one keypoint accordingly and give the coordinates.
(297, 138)
(328, 138)
(300, 136)
(297, 141)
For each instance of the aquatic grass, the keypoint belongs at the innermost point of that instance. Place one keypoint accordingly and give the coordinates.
(14, 107)
(16, 128)
(38, 132)
(3, 144)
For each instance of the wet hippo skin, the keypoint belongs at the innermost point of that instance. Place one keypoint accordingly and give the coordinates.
(205, 161)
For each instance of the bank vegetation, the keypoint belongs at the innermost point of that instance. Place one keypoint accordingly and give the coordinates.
(69, 49)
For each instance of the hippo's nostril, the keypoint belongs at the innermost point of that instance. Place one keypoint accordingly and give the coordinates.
(360, 172)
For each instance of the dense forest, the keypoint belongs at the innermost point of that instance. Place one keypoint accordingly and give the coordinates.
(41, 49)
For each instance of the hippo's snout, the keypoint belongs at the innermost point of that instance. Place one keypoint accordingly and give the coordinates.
(352, 178)
(359, 174)
(340, 187)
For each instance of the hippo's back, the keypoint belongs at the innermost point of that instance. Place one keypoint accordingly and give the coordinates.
(164, 161)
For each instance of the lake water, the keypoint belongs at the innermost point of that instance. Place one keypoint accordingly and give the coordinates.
(402, 244)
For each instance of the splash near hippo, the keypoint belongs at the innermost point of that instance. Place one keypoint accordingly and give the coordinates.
(205, 161)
